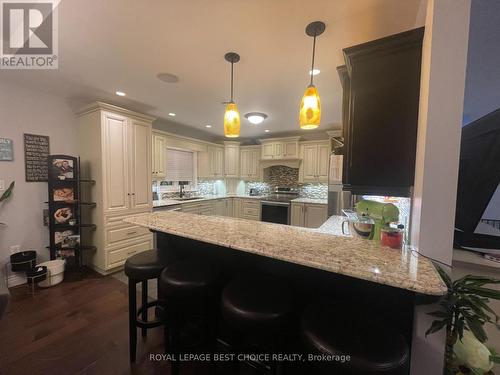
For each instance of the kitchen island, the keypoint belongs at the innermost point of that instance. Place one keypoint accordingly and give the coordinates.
(313, 248)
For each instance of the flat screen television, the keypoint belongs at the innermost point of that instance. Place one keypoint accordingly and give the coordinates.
(478, 179)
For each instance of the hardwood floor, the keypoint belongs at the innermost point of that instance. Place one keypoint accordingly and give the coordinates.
(78, 327)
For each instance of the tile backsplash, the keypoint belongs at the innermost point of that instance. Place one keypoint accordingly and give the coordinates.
(315, 191)
(281, 176)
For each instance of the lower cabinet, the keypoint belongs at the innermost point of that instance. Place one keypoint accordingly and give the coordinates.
(246, 208)
(116, 256)
(308, 215)
(200, 208)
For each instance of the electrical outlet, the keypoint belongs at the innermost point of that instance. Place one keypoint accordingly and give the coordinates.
(15, 249)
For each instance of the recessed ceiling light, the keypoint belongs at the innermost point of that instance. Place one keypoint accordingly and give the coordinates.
(208, 126)
(267, 130)
(167, 77)
(120, 93)
(255, 117)
(315, 72)
(171, 114)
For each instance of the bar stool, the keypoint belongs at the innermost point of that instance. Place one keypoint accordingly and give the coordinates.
(140, 268)
(258, 309)
(373, 347)
(190, 286)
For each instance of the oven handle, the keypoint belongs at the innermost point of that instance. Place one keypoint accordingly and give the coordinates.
(267, 203)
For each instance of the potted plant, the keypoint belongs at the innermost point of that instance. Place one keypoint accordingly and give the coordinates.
(6, 194)
(463, 312)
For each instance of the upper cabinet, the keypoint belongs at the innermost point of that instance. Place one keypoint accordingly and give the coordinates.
(232, 159)
(211, 162)
(158, 160)
(249, 162)
(315, 163)
(280, 148)
(381, 82)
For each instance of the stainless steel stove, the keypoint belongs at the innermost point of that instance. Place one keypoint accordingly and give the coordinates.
(276, 207)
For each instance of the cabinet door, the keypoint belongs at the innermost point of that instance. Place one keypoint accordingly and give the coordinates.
(140, 164)
(237, 207)
(291, 150)
(279, 150)
(268, 151)
(115, 163)
(323, 162)
(158, 159)
(229, 207)
(315, 215)
(245, 163)
(220, 207)
(254, 164)
(231, 161)
(310, 162)
(297, 218)
(218, 161)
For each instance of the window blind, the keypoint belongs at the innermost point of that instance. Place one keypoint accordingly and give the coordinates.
(179, 165)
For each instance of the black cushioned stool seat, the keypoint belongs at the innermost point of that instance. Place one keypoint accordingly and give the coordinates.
(190, 289)
(373, 347)
(258, 309)
(140, 268)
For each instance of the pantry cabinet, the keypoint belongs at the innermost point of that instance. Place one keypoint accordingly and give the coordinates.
(232, 159)
(158, 157)
(115, 150)
(315, 163)
(309, 215)
(280, 148)
(249, 162)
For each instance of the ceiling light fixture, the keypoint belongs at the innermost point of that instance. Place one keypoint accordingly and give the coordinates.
(208, 126)
(315, 72)
(167, 77)
(310, 106)
(120, 93)
(267, 130)
(171, 114)
(232, 116)
(255, 117)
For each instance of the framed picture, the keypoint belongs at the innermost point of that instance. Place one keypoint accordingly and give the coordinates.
(60, 237)
(64, 254)
(62, 169)
(70, 242)
(63, 215)
(66, 194)
(6, 149)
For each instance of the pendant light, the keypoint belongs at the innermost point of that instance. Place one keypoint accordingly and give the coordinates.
(232, 116)
(310, 106)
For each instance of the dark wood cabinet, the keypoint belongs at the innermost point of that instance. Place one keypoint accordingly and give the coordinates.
(381, 82)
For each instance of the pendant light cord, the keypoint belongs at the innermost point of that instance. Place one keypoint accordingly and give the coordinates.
(312, 64)
(232, 81)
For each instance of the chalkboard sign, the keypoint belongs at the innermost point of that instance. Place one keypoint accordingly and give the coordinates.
(36, 153)
(6, 153)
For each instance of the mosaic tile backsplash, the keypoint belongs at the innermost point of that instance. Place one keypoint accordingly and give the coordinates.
(281, 176)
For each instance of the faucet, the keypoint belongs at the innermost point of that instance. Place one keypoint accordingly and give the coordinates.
(181, 190)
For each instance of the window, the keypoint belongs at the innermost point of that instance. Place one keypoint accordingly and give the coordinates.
(180, 165)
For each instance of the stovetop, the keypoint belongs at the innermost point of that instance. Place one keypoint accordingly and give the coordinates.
(282, 195)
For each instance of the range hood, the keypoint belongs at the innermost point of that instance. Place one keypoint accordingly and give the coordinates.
(291, 163)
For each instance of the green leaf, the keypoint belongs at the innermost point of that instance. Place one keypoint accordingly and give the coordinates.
(436, 325)
(484, 292)
(495, 358)
(483, 303)
(476, 327)
(445, 277)
(7, 193)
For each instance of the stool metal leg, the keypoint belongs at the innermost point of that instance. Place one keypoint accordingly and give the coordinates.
(132, 313)
(144, 303)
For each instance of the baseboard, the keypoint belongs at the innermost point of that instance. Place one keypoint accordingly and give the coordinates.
(103, 272)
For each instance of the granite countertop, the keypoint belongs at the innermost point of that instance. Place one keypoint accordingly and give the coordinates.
(310, 200)
(172, 202)
(316, 248)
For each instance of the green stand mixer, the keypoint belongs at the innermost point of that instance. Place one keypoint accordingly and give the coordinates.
(382, 214)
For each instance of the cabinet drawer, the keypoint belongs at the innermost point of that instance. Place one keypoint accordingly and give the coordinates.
(251, 211)
(116, 257)
(121, 233)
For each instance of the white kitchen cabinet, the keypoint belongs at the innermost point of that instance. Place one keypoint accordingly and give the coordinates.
(229, 207)
(315, 163)
(158, 159)
(220, 207)
(280, 148)
(237, 204)
(249, 162)
(315, 215)
(200, 208)
(115, 150)
(231, 159)
(297, 215)
(309, 215)
(211, 162)
(250, 209)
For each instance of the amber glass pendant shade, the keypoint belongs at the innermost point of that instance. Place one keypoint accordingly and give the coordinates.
(232, 121)
(310, 109)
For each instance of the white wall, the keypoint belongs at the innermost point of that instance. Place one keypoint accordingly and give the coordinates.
(26, 111)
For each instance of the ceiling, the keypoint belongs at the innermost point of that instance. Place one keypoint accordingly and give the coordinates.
(111, 45)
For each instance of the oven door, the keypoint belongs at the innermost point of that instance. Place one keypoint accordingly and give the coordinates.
(275, 212)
